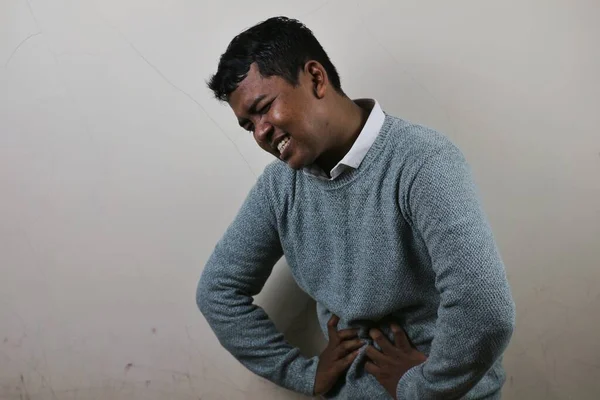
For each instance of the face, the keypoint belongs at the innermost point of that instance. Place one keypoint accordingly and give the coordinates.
(286, 121)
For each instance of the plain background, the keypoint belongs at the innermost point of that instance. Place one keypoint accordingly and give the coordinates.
(119, 172)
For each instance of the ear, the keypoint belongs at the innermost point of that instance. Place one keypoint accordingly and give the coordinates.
(318, 76)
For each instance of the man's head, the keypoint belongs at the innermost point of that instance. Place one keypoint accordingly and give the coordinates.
(281, 86)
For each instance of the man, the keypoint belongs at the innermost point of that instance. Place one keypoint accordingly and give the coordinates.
(380, 223)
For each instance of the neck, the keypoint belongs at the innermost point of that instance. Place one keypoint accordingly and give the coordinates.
(345, 126)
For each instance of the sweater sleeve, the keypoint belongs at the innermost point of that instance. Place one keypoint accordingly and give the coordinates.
(237, 270)
(476, 311)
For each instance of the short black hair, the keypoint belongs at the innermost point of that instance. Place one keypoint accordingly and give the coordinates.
(280, 46)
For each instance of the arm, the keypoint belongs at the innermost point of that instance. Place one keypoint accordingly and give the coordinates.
(237, 270)
(476, 312)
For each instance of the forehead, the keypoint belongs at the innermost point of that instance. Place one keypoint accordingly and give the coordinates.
(253, 86)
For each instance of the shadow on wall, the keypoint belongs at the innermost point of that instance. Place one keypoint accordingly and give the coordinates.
(292, 310)
(305, 332)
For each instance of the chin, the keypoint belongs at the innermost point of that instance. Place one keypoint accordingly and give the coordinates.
(293, 165)
(299, 160)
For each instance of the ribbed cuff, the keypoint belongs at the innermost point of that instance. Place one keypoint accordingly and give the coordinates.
(407, 388)
(303, 375)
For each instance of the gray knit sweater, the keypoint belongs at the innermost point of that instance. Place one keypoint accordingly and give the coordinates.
(402, 238)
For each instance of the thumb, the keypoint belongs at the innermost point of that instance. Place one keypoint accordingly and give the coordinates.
(332, 327)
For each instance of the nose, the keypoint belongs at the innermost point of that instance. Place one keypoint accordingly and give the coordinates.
(263, 132)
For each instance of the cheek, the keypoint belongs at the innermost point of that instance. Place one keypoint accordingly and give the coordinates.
(279, 118)
(292, 119)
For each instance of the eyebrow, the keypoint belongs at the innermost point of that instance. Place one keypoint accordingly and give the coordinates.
(251, 109)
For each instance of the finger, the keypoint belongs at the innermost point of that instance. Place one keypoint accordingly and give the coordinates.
(400, 338)
(346, 334)
(375, 355)
(332, 326)
(383, 342)
(349, 359)
(372, 369)
(348, 346)
(342, 364)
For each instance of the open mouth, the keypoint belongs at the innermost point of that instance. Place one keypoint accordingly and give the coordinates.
(283, 144)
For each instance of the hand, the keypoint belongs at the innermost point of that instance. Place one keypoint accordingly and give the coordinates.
(395, 360)
(340, 352)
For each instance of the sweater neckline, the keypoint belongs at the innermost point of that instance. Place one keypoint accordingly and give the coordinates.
(348, 176)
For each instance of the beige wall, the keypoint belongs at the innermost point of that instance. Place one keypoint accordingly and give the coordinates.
(118, 173)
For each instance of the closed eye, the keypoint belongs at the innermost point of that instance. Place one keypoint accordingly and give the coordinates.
(246, 124)
(265, 109)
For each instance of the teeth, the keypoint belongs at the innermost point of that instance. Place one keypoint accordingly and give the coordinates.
(283, 144)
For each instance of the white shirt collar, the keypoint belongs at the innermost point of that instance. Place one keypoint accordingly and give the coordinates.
(361, 145)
